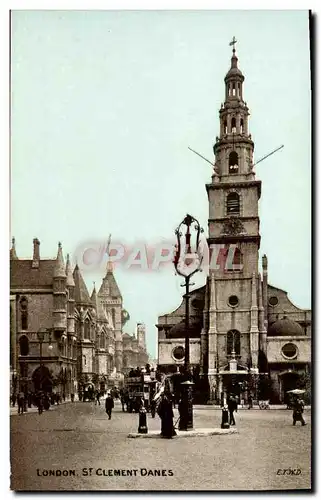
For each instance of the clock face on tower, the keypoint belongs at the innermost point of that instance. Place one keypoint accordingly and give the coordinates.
(233, 226)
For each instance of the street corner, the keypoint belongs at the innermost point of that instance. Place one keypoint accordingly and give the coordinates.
(185, 434)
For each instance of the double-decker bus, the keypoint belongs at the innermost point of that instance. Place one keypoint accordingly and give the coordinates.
(139, 385)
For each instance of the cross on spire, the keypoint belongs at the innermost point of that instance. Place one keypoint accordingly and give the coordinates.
(233, 42)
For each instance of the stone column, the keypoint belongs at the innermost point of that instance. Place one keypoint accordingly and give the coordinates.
(220, 388)
(254, 333)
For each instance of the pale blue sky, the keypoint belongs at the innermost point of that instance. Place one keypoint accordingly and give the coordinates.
(104, 107)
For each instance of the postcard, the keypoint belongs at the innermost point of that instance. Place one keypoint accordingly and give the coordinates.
(160, 259)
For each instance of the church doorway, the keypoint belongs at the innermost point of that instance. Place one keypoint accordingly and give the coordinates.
(42, 379)
(288, 382)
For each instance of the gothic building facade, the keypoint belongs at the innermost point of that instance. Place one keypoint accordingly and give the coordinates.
(246, 336)
(61, 338)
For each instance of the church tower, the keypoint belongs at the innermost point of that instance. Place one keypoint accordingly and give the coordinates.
(234, 241)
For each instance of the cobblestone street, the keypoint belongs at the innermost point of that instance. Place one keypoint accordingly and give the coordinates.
(77, 436)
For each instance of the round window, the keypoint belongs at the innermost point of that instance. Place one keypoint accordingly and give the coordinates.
(273, 301)
(178, 353)
(233, 300)
(289, 351)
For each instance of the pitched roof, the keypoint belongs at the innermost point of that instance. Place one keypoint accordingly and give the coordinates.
(94, 297)
(70, 279)
(109, 286)
(22, 275)
(81, 292)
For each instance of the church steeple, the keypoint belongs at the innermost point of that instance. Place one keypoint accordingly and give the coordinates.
(233, 148)
(234, 192)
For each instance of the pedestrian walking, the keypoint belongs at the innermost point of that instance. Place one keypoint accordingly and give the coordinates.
(40, 403)
(13, 398)
(232, 406)
(109, 404)
(21, 402)
(123, 401)
(97, 398)
(250, 401)
(72, 397)
(298, 409)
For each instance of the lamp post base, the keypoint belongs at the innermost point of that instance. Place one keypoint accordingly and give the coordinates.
(186, 407)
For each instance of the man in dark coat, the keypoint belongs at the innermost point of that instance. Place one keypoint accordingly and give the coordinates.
(166, 414)
(232, 406)
(109, 404)
(298, 409)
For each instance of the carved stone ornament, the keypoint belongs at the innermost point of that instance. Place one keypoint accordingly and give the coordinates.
(232, 226)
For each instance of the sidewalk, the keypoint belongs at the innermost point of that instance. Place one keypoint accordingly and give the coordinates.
(34, 409)
(244, 407)
(185, 434)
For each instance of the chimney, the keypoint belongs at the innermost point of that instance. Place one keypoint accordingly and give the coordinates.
(36, 253)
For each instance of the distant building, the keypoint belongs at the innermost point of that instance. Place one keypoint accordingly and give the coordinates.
(246, 336)
(134, 349)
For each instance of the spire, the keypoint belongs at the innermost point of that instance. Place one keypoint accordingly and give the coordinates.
(81, 292)
(59, 270)
(234, 70)
(13, 255)
(70, 279)
(94, 296)
(109, 285)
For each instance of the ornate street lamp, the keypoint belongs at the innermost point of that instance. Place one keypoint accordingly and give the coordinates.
(187, 261)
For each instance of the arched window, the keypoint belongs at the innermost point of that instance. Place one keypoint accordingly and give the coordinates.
(113, 314)
(233, 204)
(233, 343)
(233, 125)
(24, 345)
(225, 127)
(241, 126)
(229, 90)
(24, 313)
(233, 89)
(233, 163)
(102, 340)
(87, 329)
(239, 90)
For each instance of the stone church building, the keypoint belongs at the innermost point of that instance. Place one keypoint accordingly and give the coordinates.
(61, 338)
(246, 336)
